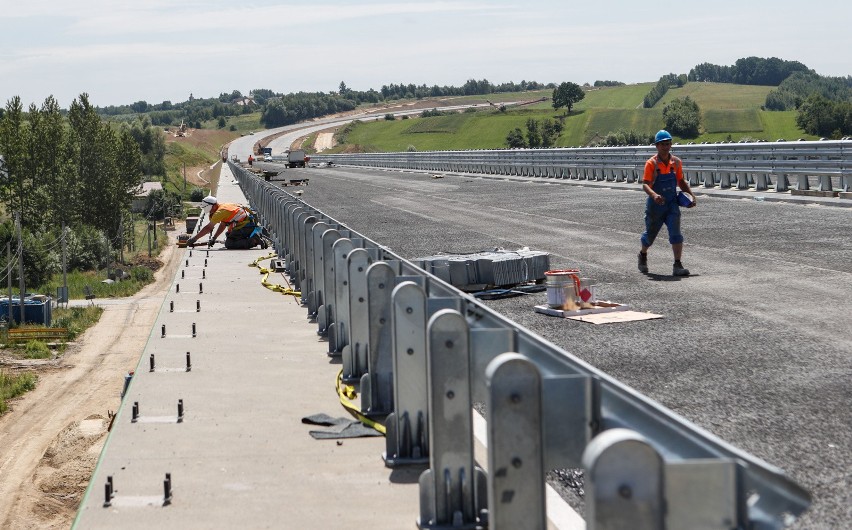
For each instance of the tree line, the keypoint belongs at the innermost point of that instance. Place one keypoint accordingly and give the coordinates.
(74, 169)
(748, 71)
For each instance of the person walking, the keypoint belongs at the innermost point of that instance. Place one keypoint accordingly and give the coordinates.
(663, 175)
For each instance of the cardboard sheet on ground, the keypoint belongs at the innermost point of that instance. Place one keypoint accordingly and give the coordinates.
(616, 316)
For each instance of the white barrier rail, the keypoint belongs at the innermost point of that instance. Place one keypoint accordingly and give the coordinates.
(824, 166)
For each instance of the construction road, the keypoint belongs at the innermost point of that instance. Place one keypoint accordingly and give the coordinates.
(755, 346)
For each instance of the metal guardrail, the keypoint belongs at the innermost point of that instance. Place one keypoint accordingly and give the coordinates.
(825, 166)
(424, 353)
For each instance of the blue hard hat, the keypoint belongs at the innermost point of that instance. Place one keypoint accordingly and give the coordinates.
(662, 136)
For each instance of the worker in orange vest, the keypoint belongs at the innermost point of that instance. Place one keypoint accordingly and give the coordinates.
(243, 230)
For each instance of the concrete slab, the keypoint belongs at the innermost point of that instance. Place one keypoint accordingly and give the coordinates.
(240, 457)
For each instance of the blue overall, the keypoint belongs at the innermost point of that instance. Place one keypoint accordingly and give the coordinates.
(668, 213)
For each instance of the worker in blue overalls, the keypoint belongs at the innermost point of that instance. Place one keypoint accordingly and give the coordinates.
(663, 175)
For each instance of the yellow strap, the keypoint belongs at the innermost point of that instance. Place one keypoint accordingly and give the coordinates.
(347, 393)
(273, 286)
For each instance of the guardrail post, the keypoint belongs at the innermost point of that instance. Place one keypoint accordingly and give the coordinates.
(325, 285)
(742, 181)
(453, 490)
(781, 182)
(356, 350)
(338, 330)
(407, 427)
(709, 179)
(825, 183)
(314, 267)
(516, 486)
(760, 183)
(623, 482)
(804, 184)
(305, 261)
(376, 367)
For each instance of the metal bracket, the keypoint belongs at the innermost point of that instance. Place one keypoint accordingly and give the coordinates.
(355, 352)
(453, 490)
(516, 486)
(338, 330)
(624, 483)
(406, 437)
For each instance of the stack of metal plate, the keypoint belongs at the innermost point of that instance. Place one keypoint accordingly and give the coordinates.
(495, 268)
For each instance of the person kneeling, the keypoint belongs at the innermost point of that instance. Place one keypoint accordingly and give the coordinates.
(242, 231)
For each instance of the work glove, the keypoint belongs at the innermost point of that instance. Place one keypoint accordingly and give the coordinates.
(211, 243)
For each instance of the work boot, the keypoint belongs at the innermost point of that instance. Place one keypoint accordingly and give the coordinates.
(643, 263)
(679, 270)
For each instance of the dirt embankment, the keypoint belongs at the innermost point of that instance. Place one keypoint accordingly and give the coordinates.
(51, 438)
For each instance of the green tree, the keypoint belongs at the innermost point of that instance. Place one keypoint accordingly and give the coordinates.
(566, 95)
(515, 139)
(14, 140)
(550, 131)
(682, 117)
(533, 133)
(820, 116)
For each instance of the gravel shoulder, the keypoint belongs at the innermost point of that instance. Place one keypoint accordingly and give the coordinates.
(51, 438)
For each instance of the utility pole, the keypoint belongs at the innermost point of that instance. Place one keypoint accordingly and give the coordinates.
(20, 266)
(9, 277)
(121, 236)
(64, 264)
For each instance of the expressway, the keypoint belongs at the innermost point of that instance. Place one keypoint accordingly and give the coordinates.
(754, 346)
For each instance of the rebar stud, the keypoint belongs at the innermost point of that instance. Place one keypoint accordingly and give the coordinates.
(152, 363)
(198, 306)
(187, 263)
(177, 287)
(203, 274)
(107, 495)
(164, 331)
(180, 411)
(167, 490)
(171, 306)
(205, 259)
(188, 362)
(183, 274)
(200, 288)
(135, 413)
(193, 330)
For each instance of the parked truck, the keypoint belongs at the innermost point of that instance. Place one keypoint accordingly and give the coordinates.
(296, 158)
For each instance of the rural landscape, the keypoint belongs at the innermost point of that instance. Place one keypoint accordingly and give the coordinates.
(90, 195)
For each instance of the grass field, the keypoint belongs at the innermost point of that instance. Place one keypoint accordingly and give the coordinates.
(719, 96)
(740, 120)
(729, 112)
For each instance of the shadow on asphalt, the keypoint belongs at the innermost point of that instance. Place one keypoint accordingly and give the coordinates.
(667, 277)
(407, 475)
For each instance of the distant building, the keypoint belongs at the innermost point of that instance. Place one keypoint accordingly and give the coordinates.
(140, 198)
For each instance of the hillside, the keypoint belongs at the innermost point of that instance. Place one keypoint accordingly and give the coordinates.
(728, 112)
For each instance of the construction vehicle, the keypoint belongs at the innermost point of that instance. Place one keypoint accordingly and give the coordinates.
(296, 158)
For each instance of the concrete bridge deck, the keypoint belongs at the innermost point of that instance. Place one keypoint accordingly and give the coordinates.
(241, 457)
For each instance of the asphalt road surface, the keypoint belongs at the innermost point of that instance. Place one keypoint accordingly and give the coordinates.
(755, 346)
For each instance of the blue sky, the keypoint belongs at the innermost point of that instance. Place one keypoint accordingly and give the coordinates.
(120, 52)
